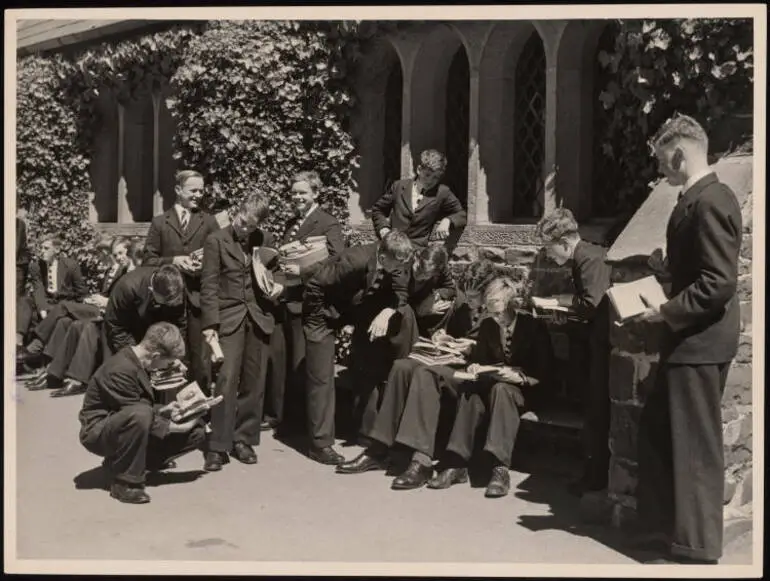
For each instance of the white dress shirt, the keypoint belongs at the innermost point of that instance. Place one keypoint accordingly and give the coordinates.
(53, 276)
(416, 195)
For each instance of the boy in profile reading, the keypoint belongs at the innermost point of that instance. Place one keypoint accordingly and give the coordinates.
(558, 232)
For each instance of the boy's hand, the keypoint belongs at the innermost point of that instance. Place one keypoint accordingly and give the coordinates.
(379, 326)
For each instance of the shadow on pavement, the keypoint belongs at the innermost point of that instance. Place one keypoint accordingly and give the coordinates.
(98, 478)
(565, 515)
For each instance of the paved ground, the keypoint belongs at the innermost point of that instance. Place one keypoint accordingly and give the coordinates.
(286, 508)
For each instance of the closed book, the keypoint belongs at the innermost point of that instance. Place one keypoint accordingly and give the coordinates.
(626, 297)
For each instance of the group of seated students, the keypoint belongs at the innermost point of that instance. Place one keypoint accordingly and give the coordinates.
(247, 327)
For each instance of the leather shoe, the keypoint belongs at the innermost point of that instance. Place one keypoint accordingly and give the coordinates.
(129, 494)
(213, 461)
(38, 383)
(268, 424)
(244, 453)
(415, 476)
(325, 455)
(448, 477)
(361, 463)
(499, 484)
(70, 388)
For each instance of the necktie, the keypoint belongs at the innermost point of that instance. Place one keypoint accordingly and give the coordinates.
(185, 220)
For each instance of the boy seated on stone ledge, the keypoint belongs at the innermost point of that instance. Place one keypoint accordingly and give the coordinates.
(591, 279)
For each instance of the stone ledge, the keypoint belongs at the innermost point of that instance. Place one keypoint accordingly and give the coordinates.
(114, 229)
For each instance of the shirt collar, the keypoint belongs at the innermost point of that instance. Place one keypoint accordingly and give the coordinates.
(312, 209)
(695, 179)
(179, 209)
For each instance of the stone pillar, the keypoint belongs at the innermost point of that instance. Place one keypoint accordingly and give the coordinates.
(124, 212)
(157, 197)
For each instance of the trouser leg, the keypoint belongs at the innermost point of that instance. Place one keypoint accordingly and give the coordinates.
(251, 387)
(277, 373)
(385, 424)
(504, 421)
(696, 427)
(88, 352)
(655, 487)
(319, 385)
(200, 363)
(61, 347)
(123, 442)
(228, 379)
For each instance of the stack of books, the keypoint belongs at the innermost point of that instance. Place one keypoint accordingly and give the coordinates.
(171, 377)
(430, 353)
(192, 402)
(305, 252)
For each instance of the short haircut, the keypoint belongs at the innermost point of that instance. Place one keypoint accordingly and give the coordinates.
(167, 281)
(165, 339)
(186, 174)
(54, 239)
(309, 177)
(119, 241)
(511, 291)
(432, 259)
(556, 226)
(136, 251)
(397, 245)
(433, 160)
(680, 127)
(254, 206)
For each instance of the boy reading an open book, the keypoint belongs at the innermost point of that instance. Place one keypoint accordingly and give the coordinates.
(123, 421)
(591, 279)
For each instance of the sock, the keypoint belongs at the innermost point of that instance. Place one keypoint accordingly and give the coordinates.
(422, 459)
(377, 449)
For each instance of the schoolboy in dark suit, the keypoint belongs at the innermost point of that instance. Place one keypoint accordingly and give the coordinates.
(681, 456)
(172, 237)
(591, 279)
(22, 256)
(237, 302)
(122, 420)
(287, 343)
(415, 206)
(364, 284)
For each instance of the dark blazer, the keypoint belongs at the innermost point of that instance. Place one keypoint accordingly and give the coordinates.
(108, 282)
(229, 291)
(394, 210)
(131, 310)
(591, 276)
(70, 283)
(165, 240)
(422, 293)
(22, 256)
(119, 382)
(85, 311)
(530, 348)
(318, 223)
(342, 281)
(703, 241)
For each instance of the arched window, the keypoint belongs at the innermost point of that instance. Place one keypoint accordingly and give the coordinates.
(529, 127)
(391, 147)
(457, 124)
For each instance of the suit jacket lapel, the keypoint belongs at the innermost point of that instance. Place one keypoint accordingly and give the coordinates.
(308, 225)
(173, 221)
(195, 223)
(682, 208)
(233, 247)
(427, 198)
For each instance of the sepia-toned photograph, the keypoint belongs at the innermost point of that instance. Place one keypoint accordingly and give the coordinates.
(425, 291)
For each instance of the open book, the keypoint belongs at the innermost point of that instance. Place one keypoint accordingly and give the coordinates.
(306, 252)
(192, 402)
(627, 300)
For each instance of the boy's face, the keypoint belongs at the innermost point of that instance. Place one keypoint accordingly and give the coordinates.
(159, 361)
(244, 226)
(671, 163)
(428, 177)
(389, 263)
(48, 251)
(303, 196)
(190, 193)
(120, 254)
(559, 252)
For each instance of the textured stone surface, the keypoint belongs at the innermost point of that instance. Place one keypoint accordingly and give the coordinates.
(623, 477)
(738, 390)
(622, 371)
(746, 315)
(644, 380)
(747, 249)
(744, 349)
(596, 508)
(624, 428)
(737, 455)
(637, 337)
(492, 253)
(624, 517)
(744, 287)
(521, 255)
